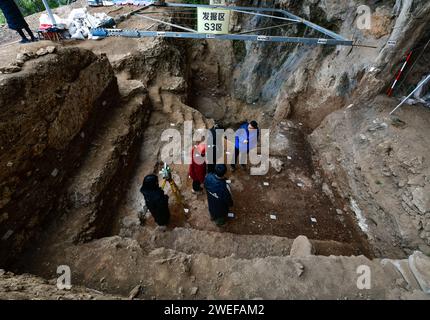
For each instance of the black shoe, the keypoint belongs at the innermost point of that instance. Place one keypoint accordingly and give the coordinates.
(24, 40)
(34, 40)
(220, 222)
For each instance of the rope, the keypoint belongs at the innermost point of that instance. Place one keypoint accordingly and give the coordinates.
(267, 28)
(168, 23)
(265, 15)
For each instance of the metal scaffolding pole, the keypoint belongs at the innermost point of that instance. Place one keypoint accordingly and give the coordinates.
(50, 14)
(257, 9)
(327, 38)
(411, 94)
(101, 32)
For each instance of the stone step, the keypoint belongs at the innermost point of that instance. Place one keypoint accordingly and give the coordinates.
(118, 265)
(224, 244)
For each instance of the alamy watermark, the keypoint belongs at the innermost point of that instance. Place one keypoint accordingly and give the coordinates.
(223, 147)
(364, 17)
(64, 281)
(364, 280)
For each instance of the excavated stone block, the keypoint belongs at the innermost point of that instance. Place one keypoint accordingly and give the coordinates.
(419, 264)
(421, 198)
(301, 247)
(403, 267)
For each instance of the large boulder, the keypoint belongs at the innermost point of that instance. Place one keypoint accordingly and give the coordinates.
(420, 267)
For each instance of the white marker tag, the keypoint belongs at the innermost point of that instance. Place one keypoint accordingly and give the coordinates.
(231, 215)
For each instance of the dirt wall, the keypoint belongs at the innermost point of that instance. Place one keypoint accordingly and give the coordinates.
(48, 113)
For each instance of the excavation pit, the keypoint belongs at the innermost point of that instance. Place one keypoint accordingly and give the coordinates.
(83, 209)
(292, 199)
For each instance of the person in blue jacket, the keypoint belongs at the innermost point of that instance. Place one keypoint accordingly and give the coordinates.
(246, 139)
(219, 195)
(15, 19)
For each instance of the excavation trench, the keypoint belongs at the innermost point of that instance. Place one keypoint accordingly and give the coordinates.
(161, 84)
(103, 123)
(291, 200)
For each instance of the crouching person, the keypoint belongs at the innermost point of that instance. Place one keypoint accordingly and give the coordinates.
(156, 201)
(219, 196)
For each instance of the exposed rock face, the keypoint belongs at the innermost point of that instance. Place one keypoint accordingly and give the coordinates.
(48, 113)
(28, 287)
(315, 81)
(382, 165)
(146, 63)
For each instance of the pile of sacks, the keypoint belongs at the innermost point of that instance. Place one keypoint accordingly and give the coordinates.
(79, 23)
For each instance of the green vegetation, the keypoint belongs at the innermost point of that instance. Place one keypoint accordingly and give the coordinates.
(32, 6)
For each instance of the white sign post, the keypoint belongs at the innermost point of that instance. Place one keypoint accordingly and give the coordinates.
(215, 21)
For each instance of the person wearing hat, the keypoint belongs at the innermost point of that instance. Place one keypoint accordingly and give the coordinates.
(219, 195)
(15, 20)
(246, 139)
(156, 201)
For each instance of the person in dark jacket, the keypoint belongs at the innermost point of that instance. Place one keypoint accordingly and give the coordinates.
(246, 139)
(219, 195)
(212, 145)
(15, 19)
(156, 201)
